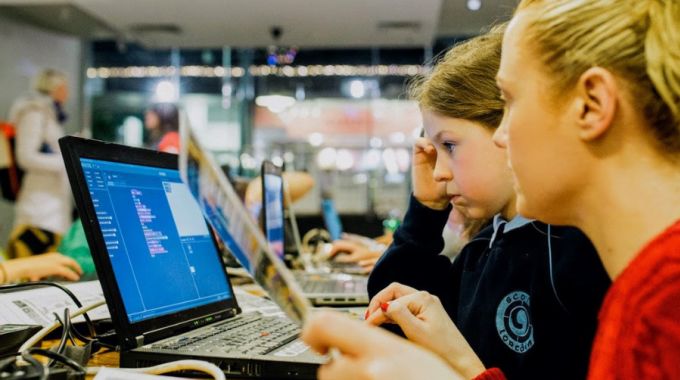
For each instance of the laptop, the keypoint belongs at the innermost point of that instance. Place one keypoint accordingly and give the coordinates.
(322, 289)
(331, 218)
(161, 272)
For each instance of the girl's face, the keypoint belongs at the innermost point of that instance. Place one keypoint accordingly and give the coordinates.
(539, 133)
(474, 168)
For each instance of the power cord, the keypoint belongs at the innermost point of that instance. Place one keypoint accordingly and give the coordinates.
(79, 370)
(179, 365)
(35, 364)
(48, 329)
(27, 351)
(65, 335)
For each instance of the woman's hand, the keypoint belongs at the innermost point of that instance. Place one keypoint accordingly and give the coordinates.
(369, 353)
(425, 189)
(425, 322)
(37, 267)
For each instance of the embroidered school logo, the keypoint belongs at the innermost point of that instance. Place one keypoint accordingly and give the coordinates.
(513, 322)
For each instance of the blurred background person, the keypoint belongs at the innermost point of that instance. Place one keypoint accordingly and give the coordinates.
(44, 205)
(161, 121)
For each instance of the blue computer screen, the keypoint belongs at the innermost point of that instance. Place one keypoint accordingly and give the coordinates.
(273, 201)
(331, 219)
(163, 256)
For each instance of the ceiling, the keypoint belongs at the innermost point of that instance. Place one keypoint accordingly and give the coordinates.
(249, 23)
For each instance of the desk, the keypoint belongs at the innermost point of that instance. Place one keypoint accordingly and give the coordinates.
(102, 359)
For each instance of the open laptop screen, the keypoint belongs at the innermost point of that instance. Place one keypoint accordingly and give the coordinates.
(272, 196)
(163, 256)
(331, 219)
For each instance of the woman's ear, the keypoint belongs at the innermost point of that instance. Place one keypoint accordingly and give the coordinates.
(598, 101)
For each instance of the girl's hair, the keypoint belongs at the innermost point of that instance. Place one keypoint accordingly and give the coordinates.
(48, 80)
(462, 84)
(638, 40)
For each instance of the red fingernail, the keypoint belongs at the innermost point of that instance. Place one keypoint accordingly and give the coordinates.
(366, 315)
(384, 306)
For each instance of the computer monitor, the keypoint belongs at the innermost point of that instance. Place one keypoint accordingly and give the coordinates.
(331, 218)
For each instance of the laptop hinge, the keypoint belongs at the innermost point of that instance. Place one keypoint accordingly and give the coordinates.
(139, 340)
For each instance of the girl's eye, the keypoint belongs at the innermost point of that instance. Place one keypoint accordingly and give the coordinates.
(449, 146)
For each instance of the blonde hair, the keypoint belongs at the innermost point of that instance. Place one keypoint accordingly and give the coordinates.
(462, 85)
(48, 80)
(638, 40)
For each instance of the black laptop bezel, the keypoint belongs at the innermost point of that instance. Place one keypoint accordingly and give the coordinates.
(131, 334)
(269, 167)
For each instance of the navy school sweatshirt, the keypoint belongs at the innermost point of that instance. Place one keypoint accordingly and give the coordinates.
(522, 308)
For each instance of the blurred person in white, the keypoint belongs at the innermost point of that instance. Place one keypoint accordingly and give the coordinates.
(44, 204)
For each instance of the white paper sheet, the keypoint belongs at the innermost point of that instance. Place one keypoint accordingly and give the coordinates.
(36, 306)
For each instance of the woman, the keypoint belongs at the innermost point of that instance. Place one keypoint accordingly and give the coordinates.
(604, 90)
(43, 207)
(592, 128)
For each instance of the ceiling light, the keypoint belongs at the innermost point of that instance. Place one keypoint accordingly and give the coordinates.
(474, 5)
(357, 89)
(326, 158)
(166, 92)
(316, 139)
(344, 160)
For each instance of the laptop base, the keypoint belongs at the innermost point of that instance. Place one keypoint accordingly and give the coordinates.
(232, 367)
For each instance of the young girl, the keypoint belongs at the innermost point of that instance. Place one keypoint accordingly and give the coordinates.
(523, 294)
(592, 128)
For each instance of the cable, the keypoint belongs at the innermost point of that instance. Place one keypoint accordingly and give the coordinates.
(179, 365)
(47, 329)
(36, 364)
(64, 334)
(55, 357)
(550, 267)
(75, 300)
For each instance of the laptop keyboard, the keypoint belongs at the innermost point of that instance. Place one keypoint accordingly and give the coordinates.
(326, 285)
(250, 335)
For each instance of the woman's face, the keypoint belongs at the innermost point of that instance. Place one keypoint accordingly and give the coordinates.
(474, 168)
(539, 133)
(60, 93)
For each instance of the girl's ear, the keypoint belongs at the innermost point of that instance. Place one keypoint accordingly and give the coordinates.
(597, 100)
